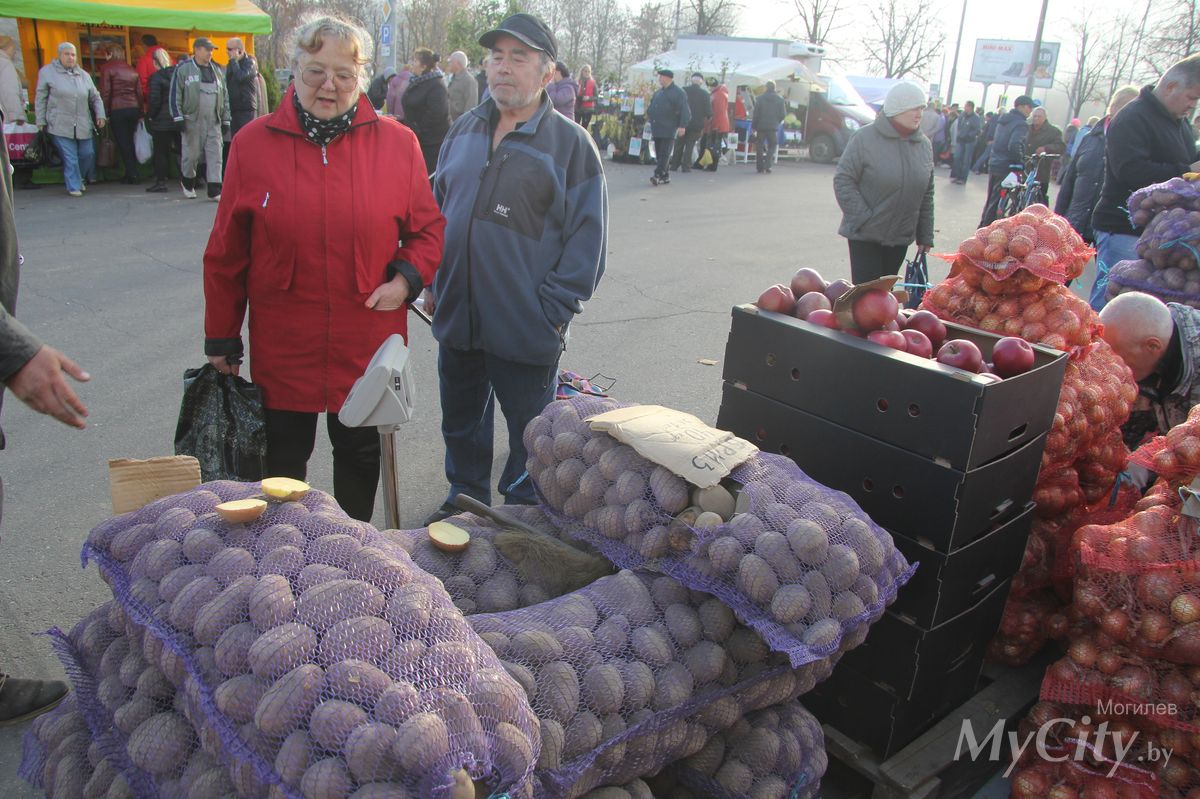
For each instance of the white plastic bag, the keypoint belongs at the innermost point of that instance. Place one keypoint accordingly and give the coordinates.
(143, 146)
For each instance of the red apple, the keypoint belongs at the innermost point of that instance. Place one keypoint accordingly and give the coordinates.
(961, 354)
(1012, 356)
(778, 298)
(806, 280)
(809, 302)
(929, 324)
(825, 318)
(892, 325)
(874, 308)
(837, 288)
(918, 343)
(889, 338)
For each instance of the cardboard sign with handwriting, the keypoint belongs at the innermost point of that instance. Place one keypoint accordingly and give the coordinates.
(700, 454)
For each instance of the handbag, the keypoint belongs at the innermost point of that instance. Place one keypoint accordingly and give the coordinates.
(143, 145)
(221, 424)
(106, 151)
(916, 280)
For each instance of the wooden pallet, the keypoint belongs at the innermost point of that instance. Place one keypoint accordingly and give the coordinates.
(926, 768)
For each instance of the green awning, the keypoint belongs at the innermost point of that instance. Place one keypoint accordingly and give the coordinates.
(235, 16)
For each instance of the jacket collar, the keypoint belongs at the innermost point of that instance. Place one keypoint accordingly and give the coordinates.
(886, 129)
(487, 109)
(1152, 100)
(286, 120)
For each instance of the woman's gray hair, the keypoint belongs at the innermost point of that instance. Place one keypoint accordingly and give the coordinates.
(161, 57)
(312, 37)
(62, 48)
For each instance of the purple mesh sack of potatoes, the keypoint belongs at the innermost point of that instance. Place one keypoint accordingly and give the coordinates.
(797, 561)
(774, 753)
(315, 659)
(634, 672)
(636, 789)
(1145, 204)
(1172, 239)
(59, 758)
(1170, 284)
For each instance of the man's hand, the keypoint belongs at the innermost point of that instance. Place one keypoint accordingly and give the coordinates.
(924, 248)
(101, 122)
(680, 132)
(430, 301)
(1195, 167)
(390, 296)
(222, 365)
(40, 385)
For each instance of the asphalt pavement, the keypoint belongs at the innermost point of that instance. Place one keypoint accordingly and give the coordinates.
(114, 280)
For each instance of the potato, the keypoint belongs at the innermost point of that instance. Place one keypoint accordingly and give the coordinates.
(531, 595)
(285, 560)
(608, 521)
(422, 741)
(808, 541)
(630, 486)
(709, 758)
(172, 524)
(558, 690)
(757, 580)
(326, 779)
(638, 682)
(553, 739)
(497, 642)
(841, 567)
(774, 549)
(584, 733)
(369, 753)
(271, 602)
(286, 704)
(746, 646)
(576, 641)
(705, 661)
(669, 490)
(684, 624)
(324, 605)
(154, 685)
(791, 603)
(847, 605)
(596, 446)
(366, 638)
(651, 646)
(188, 602)
(672, 686)
(612, 636)
(716, 620)
(603, 688)
(401, 662)
(735, 777)
(237, 697)
(512, 752)
(410, 607)
(223, 611)
(281, 649)
(332, 721)
(317, 573)
(498, 593)
(574, 609)
(624, 593)
(356, 681)
(127, 543)
(452, 661)
(114, 653)
(379, 568)
(618, 460)
(866, 590)
(715, 499)
(859, 536)
(130, 715)
(161, 558)
(820, 595)
(161, 744)
(278, 535)
(335, 549)
(397, 702)
(524, 678)
(822, 636)
(534, 646)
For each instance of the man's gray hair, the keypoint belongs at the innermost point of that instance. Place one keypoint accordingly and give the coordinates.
(1185, 72)
(459, 57)
(770, 85)
(65, 46)
(312, 36)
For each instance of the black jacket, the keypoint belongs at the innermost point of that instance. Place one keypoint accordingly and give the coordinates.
(769, 111)
(1145, 144)
(427, 108)
(1008, 145)
(159, 104)
(241, 79)
(1081, 183)
(969, 127)
(700, 104)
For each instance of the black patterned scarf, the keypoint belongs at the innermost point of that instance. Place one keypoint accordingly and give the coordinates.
(322, 131)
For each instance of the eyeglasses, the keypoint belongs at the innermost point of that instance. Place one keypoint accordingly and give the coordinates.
(316, 77)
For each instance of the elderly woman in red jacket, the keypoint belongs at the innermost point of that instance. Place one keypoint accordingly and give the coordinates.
(328, 229)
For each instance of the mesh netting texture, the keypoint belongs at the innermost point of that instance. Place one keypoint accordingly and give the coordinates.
(317, 659)
(1169, 284)
(1170, 242)
(1146, 204)
(1175, 456)
(798, 562)
(1036, 241)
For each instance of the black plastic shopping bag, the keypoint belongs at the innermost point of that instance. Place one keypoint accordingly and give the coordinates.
(916, 279)
(221, 425)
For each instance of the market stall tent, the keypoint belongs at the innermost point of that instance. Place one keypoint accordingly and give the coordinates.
(753, 73)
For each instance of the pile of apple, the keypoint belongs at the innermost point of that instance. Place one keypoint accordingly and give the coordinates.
(875, 314)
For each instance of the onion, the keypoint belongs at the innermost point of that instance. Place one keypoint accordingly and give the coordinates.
(1155, 627)
(1115, 624)
(1083, 652)
(1063, 671)
(1175, 689)
(1030, 783)
(1156, 589)
(1185, 608)
(1184, 647)
(1063, 791)
(1099, 788)
(1145, 549)
(1134, 681)
(1109, 662)
(1055, 626)
(1176, 772)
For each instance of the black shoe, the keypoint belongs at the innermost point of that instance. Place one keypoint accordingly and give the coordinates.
(664, 180)
(654, 180)
(21, 700)
(157, 188)
(444, 512)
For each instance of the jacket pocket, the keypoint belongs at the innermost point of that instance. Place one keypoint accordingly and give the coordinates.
(517, 194)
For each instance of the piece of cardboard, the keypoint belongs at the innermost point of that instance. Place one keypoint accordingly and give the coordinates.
(700, 454)
(135, 483)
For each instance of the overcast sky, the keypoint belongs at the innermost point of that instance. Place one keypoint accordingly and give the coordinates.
(1010, 19)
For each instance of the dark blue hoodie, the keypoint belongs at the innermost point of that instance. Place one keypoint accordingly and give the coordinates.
(526, 233)
(1008, 147)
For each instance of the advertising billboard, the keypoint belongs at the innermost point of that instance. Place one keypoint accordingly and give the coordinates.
(1005, 61)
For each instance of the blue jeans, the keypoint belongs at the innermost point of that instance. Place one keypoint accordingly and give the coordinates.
(471, 381)
(79, 160)
(983, 158)
(962, 160)
(1111, 249)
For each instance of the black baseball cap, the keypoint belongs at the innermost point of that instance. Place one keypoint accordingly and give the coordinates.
(667, 73)
(1024, 99)
(528, 29)
(205, 42)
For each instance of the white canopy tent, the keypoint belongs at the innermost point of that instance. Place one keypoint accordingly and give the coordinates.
(753, 74)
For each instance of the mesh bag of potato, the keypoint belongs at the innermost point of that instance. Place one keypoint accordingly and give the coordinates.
(1037, 240)
(635, 672)
(1175, 456)
(1177, 193)
(635, 789)
(772, 753)
(798, 562)
(1169, 284)
(316, 659)
(1171, 240)
(60, 758)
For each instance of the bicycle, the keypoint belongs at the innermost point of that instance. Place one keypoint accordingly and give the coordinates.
(1031, 180)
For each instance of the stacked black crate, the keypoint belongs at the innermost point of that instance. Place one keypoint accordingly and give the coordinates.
(943, 459)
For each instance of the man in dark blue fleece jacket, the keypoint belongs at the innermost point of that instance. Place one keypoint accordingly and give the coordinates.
(523, 192)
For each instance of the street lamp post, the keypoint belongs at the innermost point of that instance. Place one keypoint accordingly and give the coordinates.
(1037, 50)
(957, 45)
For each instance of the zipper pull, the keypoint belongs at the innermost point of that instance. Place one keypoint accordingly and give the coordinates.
(324, 158)
(483, 171)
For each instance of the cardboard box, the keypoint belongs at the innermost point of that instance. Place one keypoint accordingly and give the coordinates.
(913, 403)
(946, 585)
(900, 490)
(912, 662)
(135, 483)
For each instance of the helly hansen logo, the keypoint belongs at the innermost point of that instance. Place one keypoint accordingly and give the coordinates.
(501, 210)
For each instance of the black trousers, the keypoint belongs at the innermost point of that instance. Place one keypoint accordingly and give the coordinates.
(124, 123)
(662, 155)
(870, 260)
(291, 436)
(685, 147)
(992, 209)
(166, 146)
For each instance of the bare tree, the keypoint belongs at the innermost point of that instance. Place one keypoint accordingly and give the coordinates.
(904, 37)
(606, 19)
(274, 48)
(1176, 33)
(367, 13)
(709, 17)
(818, 18)
(647, 33)
(1086, 82)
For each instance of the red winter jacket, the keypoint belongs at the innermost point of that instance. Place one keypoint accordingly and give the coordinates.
(146, 67)
(720, 107)
(305, 242)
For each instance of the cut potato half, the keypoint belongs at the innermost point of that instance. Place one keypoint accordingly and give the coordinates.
(448, 538)
(241, 511)
(284, 489)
